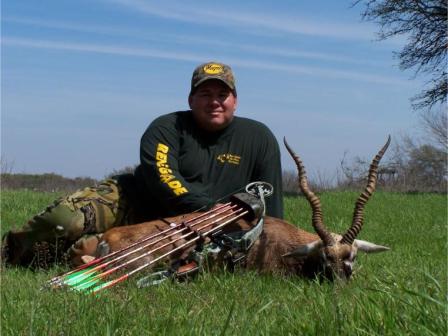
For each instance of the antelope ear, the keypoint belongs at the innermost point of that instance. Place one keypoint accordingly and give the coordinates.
(369, 247)
(304, 250)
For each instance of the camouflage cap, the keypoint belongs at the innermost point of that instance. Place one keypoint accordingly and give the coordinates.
(213, 70)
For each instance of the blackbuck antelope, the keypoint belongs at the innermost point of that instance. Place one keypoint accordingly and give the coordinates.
(282, 247)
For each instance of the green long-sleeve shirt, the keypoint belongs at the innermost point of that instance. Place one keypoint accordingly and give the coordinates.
(183, 168)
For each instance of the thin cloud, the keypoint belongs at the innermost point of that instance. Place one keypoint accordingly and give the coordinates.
(188, 39)
(101, 49)
(87, 28)
(321, 72)
(180, 11)
(188, 57)
(291, 53)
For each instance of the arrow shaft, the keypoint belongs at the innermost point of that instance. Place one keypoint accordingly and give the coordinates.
(188, 243)
(189, 223)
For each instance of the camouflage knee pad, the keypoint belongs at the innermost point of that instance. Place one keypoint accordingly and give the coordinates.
(87, 211)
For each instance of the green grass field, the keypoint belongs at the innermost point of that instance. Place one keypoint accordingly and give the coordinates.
(400, 292)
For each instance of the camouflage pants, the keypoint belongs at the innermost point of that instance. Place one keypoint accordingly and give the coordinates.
(68, 224)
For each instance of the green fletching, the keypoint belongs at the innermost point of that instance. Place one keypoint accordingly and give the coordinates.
(78, 277)
(85, 285)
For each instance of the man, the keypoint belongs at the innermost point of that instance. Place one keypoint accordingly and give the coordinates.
(189, 160)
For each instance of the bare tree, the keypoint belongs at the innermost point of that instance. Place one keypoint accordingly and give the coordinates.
(424, 24)
(427, 165)
(411, 166)
(435, 126)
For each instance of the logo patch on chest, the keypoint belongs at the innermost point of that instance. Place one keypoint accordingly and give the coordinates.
(229, 158)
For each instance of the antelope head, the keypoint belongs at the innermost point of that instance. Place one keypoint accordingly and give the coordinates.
(333, 255)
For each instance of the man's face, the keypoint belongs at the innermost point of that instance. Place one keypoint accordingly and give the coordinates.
(213, 105)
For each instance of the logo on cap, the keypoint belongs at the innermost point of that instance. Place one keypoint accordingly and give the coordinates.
(213, 69)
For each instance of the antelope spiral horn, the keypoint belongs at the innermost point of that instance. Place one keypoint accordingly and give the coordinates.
(358, 214)
(314, 201)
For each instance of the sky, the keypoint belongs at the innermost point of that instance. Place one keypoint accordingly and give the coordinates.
(81, 80)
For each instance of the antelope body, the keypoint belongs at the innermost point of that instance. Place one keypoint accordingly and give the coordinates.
(282, 247)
